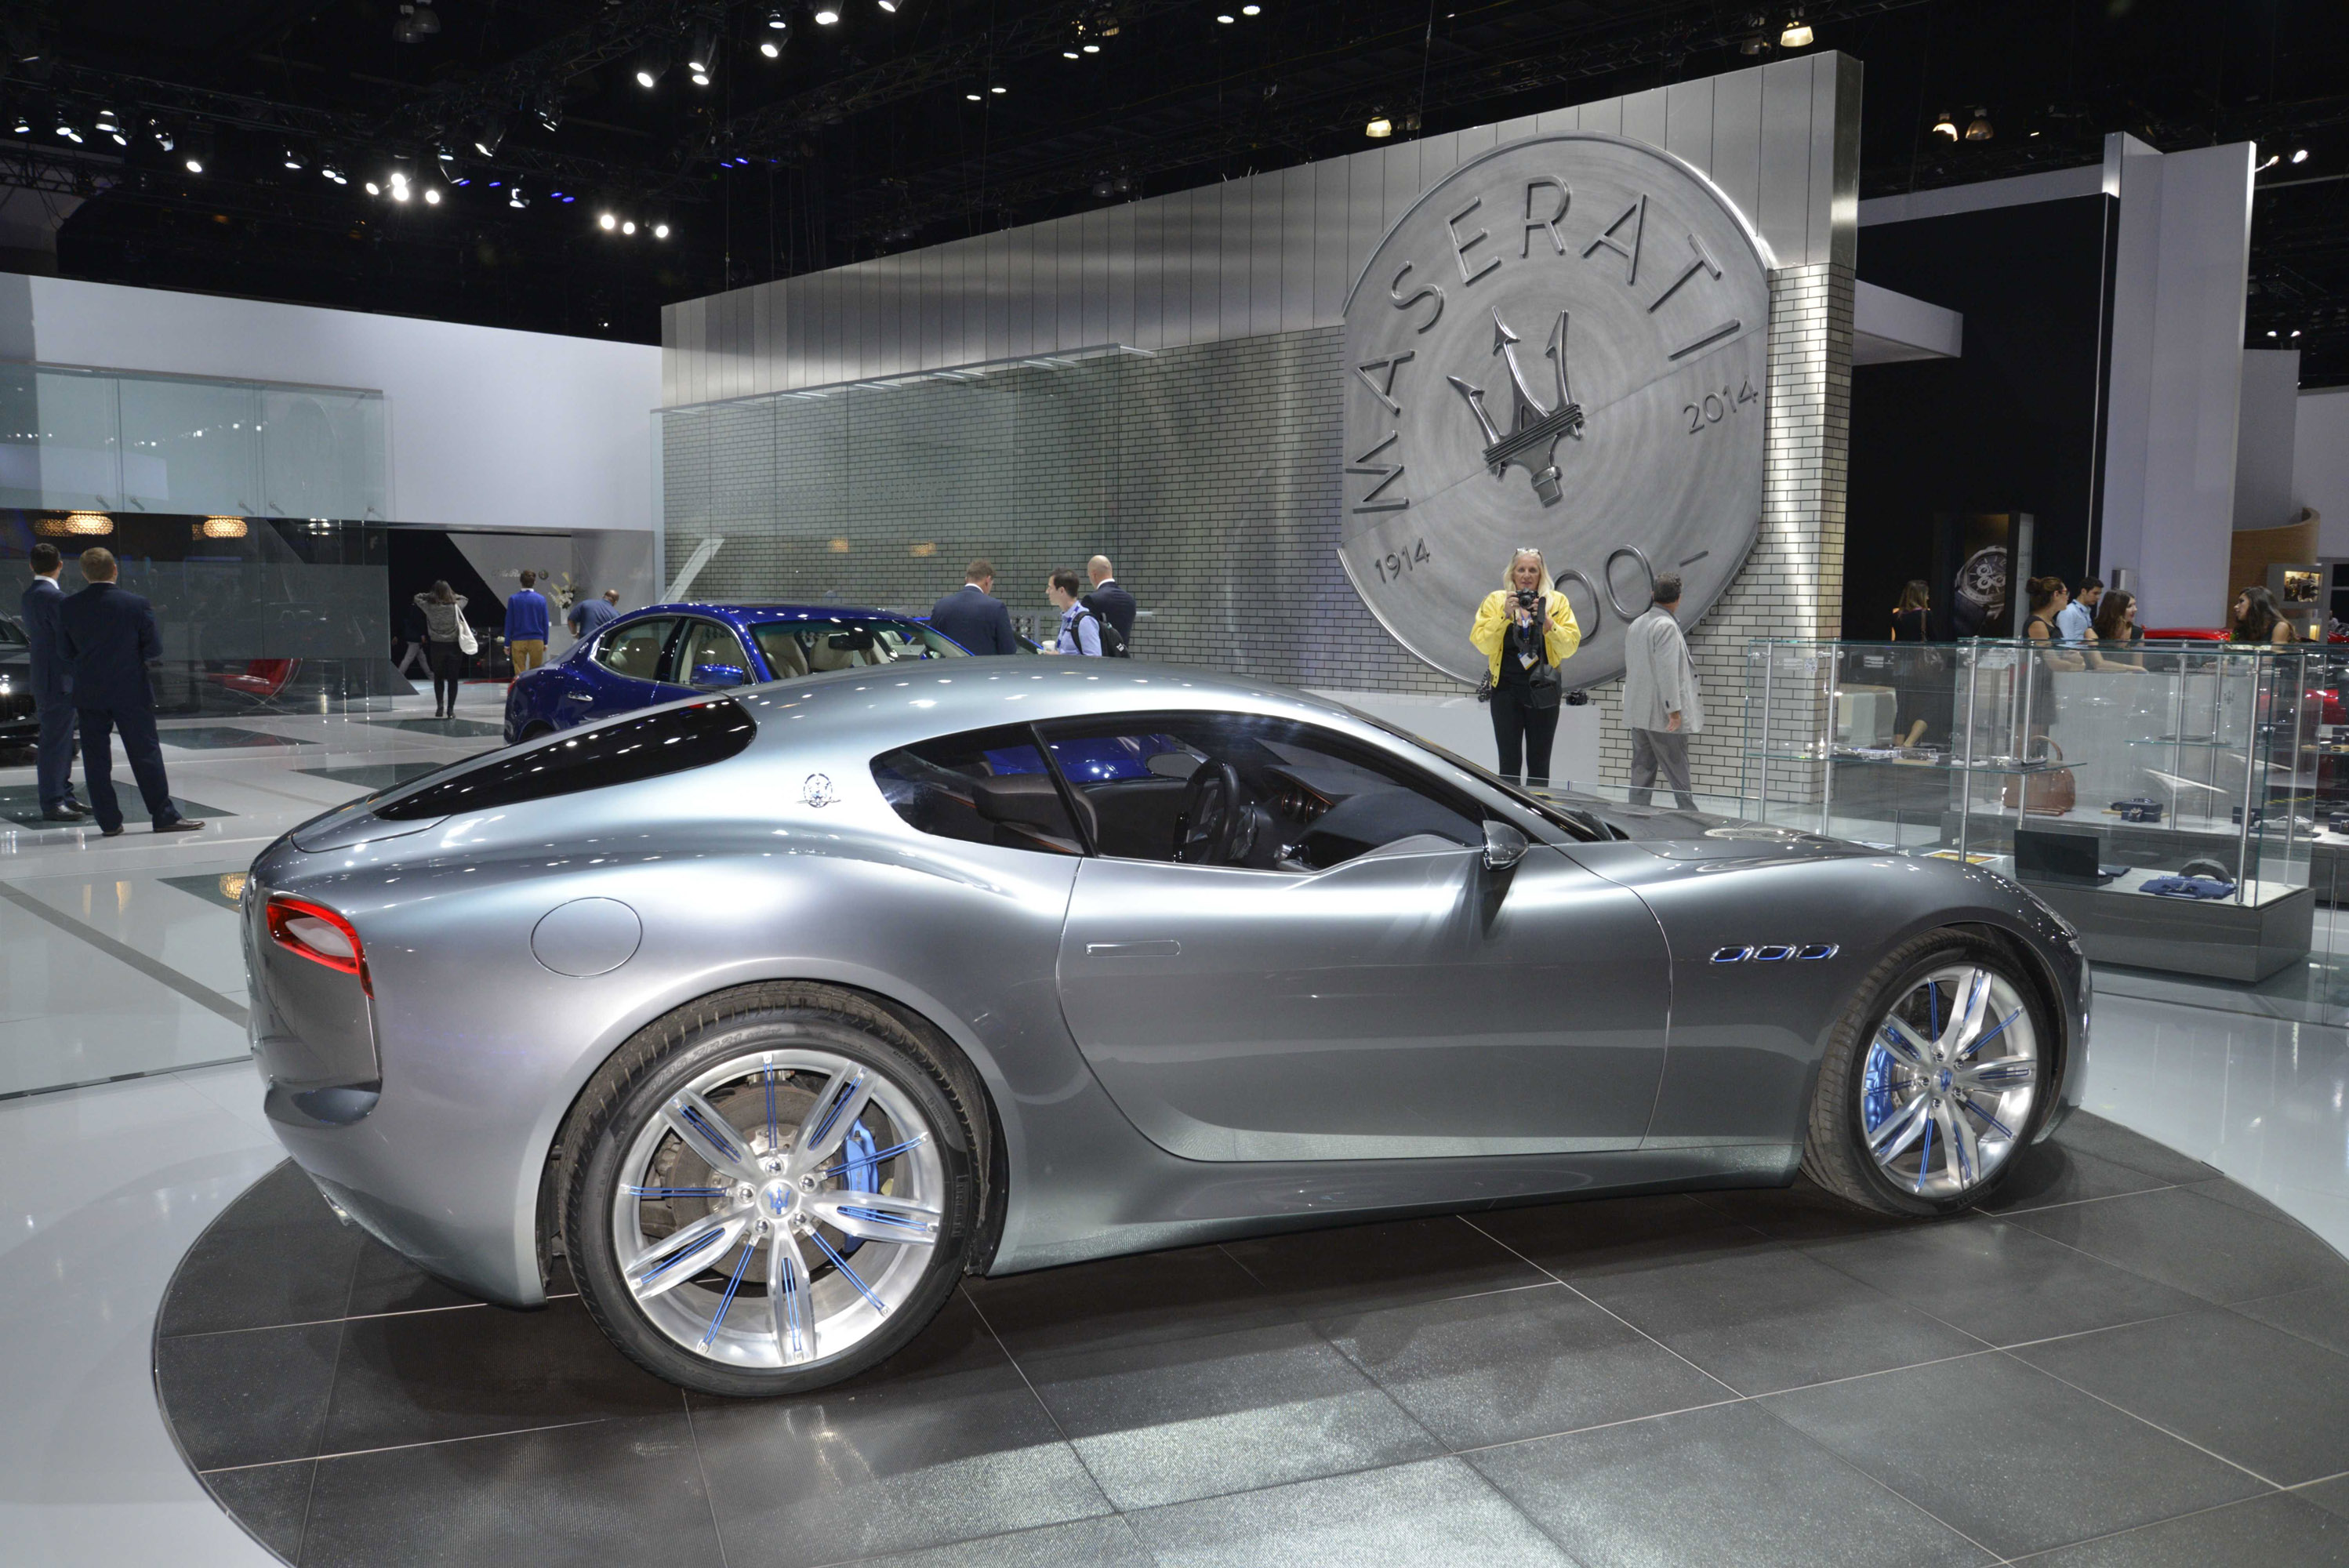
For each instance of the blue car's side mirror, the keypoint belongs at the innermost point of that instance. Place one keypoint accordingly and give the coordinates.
(711, 677)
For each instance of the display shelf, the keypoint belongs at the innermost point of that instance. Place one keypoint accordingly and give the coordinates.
(1960, 749)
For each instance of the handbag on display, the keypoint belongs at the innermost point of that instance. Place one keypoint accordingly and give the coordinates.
(467, 644)
(2049, 794)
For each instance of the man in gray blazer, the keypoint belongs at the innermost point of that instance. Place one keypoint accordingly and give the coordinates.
(1660, 708)
(52, 690)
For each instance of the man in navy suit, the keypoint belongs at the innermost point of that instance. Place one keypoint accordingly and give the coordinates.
(1110, 602)
(110, 637)
(975, 617)
(52, 698)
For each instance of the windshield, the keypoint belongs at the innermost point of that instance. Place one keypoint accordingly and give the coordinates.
(812, 646)
(1582, 827)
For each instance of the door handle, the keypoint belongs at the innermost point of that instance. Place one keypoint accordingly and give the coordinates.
(1160, 949)
(576, 697)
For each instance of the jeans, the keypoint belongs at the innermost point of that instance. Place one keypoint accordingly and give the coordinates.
(1522, 734)
(53, 762)
(447, 661)
(146, 754)
(1664, 751)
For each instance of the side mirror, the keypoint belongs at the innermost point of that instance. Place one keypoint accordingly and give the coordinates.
(1503, 846)
(715, 678)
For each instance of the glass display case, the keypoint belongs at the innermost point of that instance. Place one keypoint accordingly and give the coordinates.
(2171, 800)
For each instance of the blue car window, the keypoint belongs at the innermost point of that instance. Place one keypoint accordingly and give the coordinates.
(988, 787)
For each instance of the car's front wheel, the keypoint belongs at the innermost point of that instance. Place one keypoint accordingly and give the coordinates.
(772, 1193)
(1934, 1079)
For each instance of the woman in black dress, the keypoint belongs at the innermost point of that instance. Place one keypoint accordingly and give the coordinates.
(1920, 678)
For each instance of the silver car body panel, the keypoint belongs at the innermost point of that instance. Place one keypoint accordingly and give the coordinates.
(1246, 1051)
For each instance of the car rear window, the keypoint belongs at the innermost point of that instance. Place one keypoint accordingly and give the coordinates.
(666, 740)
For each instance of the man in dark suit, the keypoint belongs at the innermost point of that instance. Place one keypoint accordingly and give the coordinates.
(52, 698)
(1110, 602)
(974, 617)
(110, 637)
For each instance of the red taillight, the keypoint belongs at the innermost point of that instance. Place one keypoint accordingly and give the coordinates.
(318, 935)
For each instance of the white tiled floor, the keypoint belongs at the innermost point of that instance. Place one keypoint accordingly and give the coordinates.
(102, 1188)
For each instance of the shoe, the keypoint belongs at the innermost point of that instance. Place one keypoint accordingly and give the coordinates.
(113, 832)
(73, 807)
(178, 825)
(63, 815)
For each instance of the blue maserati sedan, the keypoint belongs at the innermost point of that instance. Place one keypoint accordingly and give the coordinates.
(665, 652)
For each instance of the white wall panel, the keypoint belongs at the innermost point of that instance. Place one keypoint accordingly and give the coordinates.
(1272, 252)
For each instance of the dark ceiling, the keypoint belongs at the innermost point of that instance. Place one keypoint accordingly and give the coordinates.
(885, 131)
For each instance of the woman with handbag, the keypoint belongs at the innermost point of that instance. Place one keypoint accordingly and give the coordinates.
(446, 633)
(1526, 630)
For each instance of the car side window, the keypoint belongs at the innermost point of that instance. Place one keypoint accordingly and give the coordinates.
(707, 643)
(1248, 790)
(635, 650)
(987, 787)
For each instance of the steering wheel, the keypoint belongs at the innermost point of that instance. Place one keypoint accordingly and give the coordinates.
(1210, 812)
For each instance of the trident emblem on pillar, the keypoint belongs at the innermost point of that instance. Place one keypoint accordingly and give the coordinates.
(1532, 429)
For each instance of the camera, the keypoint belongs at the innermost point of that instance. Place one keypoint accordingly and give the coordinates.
(1529, 598)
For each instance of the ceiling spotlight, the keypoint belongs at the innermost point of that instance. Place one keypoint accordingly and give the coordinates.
(156, 128)
(651, 68)
(770, 48)
(2295, 332)
(2273, 159)
(1092, 48)
(1797, 35)
(660, 230)
(415, 22)
(431, 196)
(998, 91)
(700, 79)
(2300, 155)
(373, 189)
(825, 16)
(400, 191)
(195, 151)
(106, 121)
(22, 123)
(69, 133)
(328, 172)
(1070, 55)
(777, 20)
(549, 110)
(703, 53)
(629, 228)
(293, 159)
(2271, 332)
(972, 97)
(1945, 124)
(889, 6)
(488, 135)
(606, 221)
(1226, 17)
(1251, 10)
(1978, 129)
(1379, 128)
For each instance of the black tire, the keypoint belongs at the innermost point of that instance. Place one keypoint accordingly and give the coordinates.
(1835, 1151)
(616, 1113)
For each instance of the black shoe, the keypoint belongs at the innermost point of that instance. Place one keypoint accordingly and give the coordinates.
(113, 832)
(180, 825)
(73, 807)
(62, 815)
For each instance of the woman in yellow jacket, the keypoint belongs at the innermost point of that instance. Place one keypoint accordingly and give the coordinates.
(1520, 627)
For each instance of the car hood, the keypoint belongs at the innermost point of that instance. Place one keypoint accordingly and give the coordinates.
(1676, 835)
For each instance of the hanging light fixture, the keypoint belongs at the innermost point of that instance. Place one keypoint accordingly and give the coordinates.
(1945, 124)
(488, 135)
(651, 68)
(1978, 128)
(825, 16)
(1380, 127)
(1797, 35)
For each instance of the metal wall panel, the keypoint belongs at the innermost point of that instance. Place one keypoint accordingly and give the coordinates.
(1783, 208)
(1274, 252)
(1736, 159)
(1688, 122)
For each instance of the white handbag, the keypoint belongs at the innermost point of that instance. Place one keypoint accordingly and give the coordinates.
(467, 643)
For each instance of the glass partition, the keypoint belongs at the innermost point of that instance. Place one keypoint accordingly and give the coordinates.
(2139, 791)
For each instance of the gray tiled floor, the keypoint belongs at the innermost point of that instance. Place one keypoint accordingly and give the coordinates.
(2150, 1375)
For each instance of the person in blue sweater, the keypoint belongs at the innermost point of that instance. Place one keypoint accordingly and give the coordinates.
(527, 625)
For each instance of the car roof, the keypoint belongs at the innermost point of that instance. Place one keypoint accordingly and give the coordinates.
(874, 708)
(759, 615)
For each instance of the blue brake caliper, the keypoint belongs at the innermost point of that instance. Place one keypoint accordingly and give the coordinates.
(1876, 1089)
(864, 1174)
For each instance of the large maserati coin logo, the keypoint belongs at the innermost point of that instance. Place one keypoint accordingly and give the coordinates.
(1564, 345)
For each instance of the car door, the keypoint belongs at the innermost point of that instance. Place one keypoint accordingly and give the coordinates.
(707, 656)
(624, 670)
(1352, 981)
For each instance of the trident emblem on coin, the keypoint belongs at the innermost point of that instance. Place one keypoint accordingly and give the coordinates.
(1532, 429)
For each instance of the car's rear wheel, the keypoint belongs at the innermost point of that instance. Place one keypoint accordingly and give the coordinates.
(1934, 1079)
(773, 1194)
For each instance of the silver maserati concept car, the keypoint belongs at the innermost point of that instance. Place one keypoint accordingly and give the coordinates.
(775, 1013)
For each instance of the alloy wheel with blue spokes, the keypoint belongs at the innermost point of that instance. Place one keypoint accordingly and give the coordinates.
(775, 1210)
(1950, 1081)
